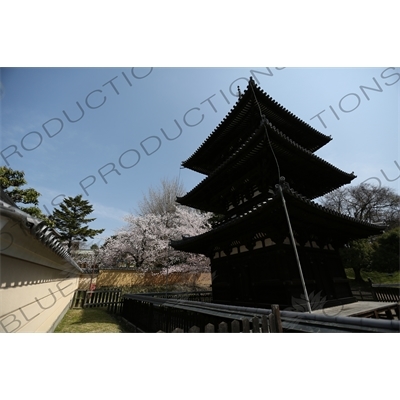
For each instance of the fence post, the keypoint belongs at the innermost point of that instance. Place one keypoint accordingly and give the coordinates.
(78, 299)
(272, 324)
(235, 326)
(223, 327)
(209, 328)
(246, 325)
(256, 325)
(264, 324)
(277, 318)
(85, 300)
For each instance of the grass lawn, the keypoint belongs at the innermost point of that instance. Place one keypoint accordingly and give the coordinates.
(88, 320)
(376, 277)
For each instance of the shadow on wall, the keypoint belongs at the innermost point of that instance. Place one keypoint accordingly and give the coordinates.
(86, 280)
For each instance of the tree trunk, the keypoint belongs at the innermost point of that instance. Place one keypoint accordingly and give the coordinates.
(357, 275)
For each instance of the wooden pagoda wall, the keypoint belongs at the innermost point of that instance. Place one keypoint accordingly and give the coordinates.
(270, 276)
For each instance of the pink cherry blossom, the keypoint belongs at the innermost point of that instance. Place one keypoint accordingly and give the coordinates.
(143, 243)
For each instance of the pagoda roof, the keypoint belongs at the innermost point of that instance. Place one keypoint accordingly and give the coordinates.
(241, 121)
(297, 164)
(268, 217)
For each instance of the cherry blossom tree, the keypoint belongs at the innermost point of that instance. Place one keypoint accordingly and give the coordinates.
(140, 244)
(144, 242)
(188, 222)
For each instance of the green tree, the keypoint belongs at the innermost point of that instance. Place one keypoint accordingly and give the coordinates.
(386, 255)
(371, 204)
(357, 255)
(11, 182)
(71, 221)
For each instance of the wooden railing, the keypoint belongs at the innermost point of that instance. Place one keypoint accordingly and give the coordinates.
(386, 292)
(154, 314)
(267, 324)
(106, 298)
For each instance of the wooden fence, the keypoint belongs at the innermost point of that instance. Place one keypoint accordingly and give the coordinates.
(153, 314)
(268, 324)
(106, 298)
(386, 292)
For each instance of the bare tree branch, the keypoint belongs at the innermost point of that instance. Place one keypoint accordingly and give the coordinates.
(162, 199)
(366, 202)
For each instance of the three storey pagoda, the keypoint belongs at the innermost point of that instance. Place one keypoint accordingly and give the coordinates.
(259, 161)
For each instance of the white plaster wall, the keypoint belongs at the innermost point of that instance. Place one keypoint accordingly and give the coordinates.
(33, 296)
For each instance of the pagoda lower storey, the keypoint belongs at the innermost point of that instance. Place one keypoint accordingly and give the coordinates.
(253, 261)
(270, 275)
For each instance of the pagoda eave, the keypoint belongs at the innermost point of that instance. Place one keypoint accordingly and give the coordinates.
(242, 120)
(310, 221)
(253, 160)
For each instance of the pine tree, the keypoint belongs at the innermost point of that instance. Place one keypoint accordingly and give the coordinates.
(71, 221)
(11, 182)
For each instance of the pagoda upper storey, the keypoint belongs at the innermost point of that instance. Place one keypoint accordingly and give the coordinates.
(242, 121)
(250, 174)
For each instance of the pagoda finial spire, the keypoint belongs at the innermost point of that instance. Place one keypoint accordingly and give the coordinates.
(239, 92)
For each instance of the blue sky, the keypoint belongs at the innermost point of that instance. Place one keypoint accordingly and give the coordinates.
(117, 149)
